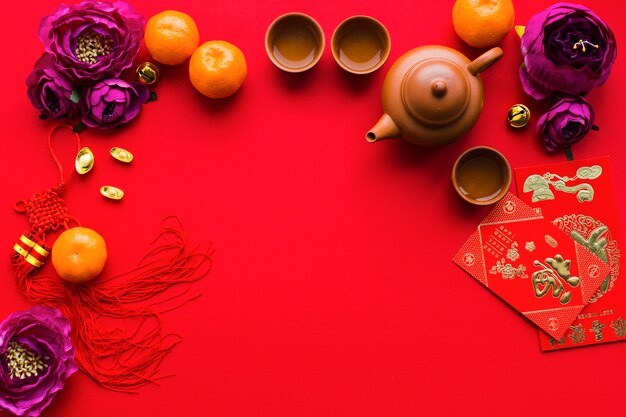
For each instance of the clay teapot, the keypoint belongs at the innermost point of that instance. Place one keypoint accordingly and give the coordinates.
(432, 95)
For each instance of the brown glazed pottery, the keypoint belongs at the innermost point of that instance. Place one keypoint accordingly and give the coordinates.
(432, 95)
(294, 42)
(481, 175)
(360, 44)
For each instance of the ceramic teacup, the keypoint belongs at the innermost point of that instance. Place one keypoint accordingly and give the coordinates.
(360, 44)
(294, 42)
(481, 175)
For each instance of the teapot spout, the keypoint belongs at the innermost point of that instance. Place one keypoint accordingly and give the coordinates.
(385, 128)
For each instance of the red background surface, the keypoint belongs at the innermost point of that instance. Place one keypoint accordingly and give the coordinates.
(333, 292)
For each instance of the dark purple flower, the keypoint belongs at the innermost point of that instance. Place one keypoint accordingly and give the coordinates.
(566, 123)
(50, 91)
(566, 48)
(113, 102)
(36, 358)
(91, 40)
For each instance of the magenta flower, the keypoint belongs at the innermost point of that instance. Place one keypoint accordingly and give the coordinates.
(36, 358)
(566, 123)
(113, 102)
(566, 48)
(92, 40)
(50, 91)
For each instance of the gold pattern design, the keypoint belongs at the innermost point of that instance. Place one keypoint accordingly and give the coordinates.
(469, 259)
(594, 243)
(513, 253)
(509, 207)
(591, 234)
(596, 329)
(549, 279)
(530, 246)
(507, 270)
(540, 184)
(559, 342)
(619, 326)
(578, 334)
(551, 241)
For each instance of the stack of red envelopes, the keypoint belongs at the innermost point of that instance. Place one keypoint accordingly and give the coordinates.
(553, 253)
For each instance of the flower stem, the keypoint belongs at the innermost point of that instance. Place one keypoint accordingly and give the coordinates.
(80, 126)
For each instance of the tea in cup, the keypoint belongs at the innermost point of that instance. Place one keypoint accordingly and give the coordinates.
(360, 44)
(481, 175)
(294, 42)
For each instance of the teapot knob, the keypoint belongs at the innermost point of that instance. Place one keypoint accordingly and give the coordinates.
(439, 87)
(435, 91)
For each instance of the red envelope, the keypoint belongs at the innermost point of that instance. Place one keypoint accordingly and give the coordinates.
(529, 263)
(578, 198)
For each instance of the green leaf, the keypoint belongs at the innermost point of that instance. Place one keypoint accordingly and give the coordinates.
(520, 30)
(75, 97)
(80, 126)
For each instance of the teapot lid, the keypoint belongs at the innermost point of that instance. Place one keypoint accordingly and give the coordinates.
(436, 91)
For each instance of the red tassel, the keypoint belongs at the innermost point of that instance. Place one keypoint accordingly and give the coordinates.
(125, 356)
(116, 328)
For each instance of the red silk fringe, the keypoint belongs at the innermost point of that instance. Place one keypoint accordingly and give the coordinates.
(116, 326)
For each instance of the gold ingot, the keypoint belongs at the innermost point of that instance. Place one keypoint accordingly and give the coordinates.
(113, 193)
(121, 155)
(148, 73)
(518, 116)
(84, 161)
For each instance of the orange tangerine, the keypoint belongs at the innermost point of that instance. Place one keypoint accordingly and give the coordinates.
(217, 69)
(483, 23)
(171, 37)
(79, 254)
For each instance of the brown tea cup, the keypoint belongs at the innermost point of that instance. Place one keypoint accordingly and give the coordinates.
(294, 42)
(360, 44)
(481, 175)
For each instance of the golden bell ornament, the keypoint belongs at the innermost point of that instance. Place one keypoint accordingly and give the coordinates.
(148, 73)
(518, 116)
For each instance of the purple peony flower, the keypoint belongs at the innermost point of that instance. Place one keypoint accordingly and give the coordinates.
(36, 358)
(113, 102)
(566, 123)
(91, 41)
(50, 91)
(566, 48)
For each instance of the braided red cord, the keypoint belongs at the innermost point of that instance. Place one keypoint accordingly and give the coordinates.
(46, 210)
(119, 356)
(56, 160)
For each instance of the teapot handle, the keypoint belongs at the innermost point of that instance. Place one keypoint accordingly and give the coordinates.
(485, 61)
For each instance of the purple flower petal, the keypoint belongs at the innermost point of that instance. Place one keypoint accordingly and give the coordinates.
(531, 86)
(61, 33)
(50, 91)
(112, 102)
(566, 48)
(46, 333)
(566, 123)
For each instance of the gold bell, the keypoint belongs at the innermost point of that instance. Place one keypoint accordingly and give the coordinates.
(518, 116)
(148, 73)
